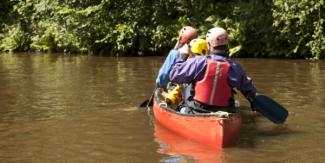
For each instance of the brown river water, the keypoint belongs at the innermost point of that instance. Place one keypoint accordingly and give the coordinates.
(84, 109)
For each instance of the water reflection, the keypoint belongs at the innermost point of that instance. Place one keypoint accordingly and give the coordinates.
(179, 149)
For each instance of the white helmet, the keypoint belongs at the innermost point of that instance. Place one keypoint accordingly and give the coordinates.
(215, 37)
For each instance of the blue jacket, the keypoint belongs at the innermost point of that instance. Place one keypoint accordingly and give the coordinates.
(194, 69)
(163, 75)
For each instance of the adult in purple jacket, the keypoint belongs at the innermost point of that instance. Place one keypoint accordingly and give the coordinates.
(214, 76)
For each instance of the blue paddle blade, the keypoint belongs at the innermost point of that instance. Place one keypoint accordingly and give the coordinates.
(270, 109)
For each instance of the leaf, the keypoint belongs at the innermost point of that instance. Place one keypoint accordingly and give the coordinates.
(66, 10)
(235, 50)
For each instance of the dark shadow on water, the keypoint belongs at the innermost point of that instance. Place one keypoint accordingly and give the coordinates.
(251, 129)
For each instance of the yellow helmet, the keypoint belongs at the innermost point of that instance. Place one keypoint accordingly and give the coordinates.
(199, 46)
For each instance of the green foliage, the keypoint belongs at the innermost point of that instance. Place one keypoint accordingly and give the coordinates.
(277, 28)
(299, 26)
(5, 9)
(45, 37)
(317, 44)
(124, 36)
(14, 39)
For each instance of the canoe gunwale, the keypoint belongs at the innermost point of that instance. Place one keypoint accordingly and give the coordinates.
(212, 114)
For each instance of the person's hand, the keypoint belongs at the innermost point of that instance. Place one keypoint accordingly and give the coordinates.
(251, 101)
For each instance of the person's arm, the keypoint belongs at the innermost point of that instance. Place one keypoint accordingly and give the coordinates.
(163, 75)
(188, 71)
(237, 78)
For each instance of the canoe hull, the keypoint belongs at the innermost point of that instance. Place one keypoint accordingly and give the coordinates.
(207, 129)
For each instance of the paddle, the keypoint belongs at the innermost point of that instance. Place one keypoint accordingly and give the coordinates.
(270, 109)
(148, 102)
(144, 103)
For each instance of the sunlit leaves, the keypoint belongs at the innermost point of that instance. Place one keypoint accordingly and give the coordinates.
(14, 39)
(299, 24)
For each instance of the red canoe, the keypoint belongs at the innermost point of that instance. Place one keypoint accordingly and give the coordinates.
(210, 129)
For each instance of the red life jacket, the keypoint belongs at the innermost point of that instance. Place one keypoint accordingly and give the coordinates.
(214, 89)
